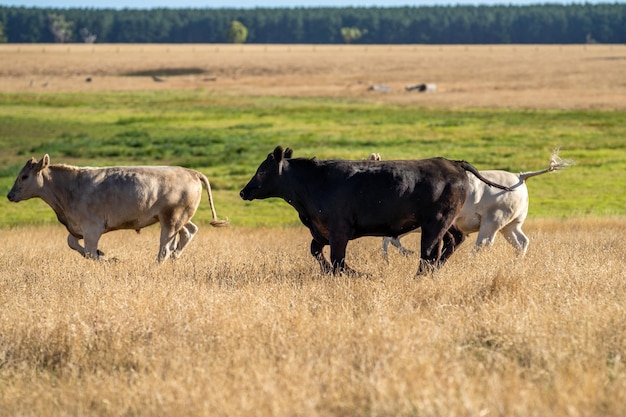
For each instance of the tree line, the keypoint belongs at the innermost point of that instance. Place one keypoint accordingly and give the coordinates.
(536, 24)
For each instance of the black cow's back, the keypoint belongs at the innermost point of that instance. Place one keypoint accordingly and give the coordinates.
(373, 198)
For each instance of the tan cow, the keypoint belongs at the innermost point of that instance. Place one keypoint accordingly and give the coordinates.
(92, 201)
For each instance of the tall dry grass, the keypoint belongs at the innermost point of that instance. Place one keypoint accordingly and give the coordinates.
(244, 324)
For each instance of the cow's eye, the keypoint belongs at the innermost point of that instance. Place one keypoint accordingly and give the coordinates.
(25, 177)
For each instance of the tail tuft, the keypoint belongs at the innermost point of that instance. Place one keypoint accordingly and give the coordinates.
(220, 223)
(557, 163)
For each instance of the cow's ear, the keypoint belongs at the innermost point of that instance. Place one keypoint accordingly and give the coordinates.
(288, 153)
(45, 161)
(278, 153)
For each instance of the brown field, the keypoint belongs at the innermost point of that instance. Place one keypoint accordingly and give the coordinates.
(520, 76)
(244, 325)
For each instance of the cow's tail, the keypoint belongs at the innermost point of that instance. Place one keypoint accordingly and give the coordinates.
(215, 222)
(469, 167)
(556, 163)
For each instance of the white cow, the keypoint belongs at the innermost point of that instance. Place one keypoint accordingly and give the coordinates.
(489, 210)
(92, 201)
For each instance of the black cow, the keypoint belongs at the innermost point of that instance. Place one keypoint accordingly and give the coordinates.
(341, 200)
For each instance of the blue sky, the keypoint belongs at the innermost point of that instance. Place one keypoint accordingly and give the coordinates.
(147, 4)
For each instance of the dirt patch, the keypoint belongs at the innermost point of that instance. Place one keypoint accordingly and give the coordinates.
(164, 72)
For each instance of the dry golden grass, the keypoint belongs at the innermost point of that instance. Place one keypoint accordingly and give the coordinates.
(521, 76)
(244, 324)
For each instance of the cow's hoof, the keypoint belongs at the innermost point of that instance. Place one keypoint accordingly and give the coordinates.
(419, 276)
(425, 271)
(349, 272)
(99, 256)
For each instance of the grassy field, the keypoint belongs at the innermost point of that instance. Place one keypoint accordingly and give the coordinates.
(227, 137)
(243, 323)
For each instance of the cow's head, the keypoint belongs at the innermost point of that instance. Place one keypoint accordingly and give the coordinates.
(265, 182)
(30, 180)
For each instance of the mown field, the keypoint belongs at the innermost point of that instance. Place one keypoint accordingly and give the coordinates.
(244, 324)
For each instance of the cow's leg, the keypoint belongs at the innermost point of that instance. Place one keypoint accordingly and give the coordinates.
(186, 233)
(73, 243)
(395, 241)
(168, 239)
(403, 251)
(338, 246)
(433, 232)
(430, 250)
(516, 237)
(451, 241)
(167, 242)
(386, 241)
(317, 250)
(172, 224)
(91, 238)
(486, 233)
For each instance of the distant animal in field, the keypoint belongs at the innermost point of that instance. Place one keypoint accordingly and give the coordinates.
(422, 88)
(382, 88)
(489, 211)
(340, 200)
(93, 201)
